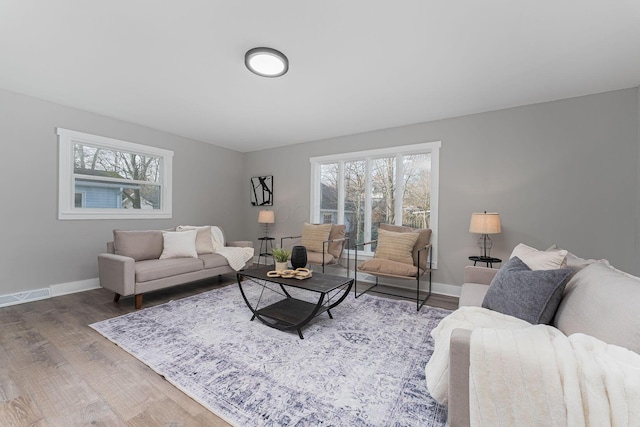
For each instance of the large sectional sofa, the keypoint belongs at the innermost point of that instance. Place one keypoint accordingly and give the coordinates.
(133, 264)
(598, 300)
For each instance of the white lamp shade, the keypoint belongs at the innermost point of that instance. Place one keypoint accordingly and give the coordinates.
(485, 223)
(266, 217)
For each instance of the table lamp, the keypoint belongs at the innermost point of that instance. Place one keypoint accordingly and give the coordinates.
(266, 217)
(485, 224)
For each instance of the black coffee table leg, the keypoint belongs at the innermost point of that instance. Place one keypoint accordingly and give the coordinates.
(291, 313)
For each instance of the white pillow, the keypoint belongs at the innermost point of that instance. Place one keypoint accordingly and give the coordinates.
(204, 242)
(577, 263)
(540, 260)
(179, 244)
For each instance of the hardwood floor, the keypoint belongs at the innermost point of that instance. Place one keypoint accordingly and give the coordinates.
(56, 371)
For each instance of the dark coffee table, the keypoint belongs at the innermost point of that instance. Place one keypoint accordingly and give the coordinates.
(289, 313)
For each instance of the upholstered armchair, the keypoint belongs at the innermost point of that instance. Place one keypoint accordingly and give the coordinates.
(401, 253)
(325, 243)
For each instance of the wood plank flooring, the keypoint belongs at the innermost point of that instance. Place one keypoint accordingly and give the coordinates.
(56, 371)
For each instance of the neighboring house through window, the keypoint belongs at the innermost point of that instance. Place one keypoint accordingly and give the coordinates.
(397, 185)
(103, 178)
(80, 198)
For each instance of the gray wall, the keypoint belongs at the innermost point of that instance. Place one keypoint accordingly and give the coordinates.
(37, 249)
(563, 172)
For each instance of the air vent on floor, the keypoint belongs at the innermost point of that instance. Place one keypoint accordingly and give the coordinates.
(22, 297)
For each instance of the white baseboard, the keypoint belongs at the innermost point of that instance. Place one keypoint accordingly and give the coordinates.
(444, 289)
(51, 291)
(73, 287)
(89, 284)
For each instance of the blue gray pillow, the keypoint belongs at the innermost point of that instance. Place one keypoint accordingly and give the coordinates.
(531, 295)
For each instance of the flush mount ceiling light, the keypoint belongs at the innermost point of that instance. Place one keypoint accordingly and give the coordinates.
(266, 62)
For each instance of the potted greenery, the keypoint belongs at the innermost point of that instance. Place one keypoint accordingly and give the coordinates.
(281, 256)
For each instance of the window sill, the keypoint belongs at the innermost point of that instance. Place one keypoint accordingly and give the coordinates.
(113, 215)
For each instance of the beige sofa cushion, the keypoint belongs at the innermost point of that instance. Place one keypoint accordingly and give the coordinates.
(139, 245)
(603, 302)
(154, 269)
(213, 260)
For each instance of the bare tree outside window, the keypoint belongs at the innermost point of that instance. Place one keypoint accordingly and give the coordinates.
(383, 176)
(329, 193)
(355, 187)
(107, 178)
(415, 193)
(391, 185)
(135, 177)
(416, 197)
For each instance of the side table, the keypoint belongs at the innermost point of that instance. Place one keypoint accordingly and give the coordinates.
(486, 259)
(266, 247)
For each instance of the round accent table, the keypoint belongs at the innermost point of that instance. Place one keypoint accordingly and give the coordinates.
(486, 259)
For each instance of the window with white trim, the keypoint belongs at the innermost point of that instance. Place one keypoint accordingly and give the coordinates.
(106, 178)
(397, 185)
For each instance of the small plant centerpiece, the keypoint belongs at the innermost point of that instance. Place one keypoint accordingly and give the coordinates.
(281, 256)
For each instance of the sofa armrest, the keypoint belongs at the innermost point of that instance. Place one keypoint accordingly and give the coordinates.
(459, 362)
(117, 273)
(241, 244)
(482, 275)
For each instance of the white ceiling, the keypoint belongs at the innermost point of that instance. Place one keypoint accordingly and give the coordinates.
(355, 65)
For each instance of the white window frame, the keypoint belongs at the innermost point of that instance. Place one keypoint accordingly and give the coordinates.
(66, 185)
(432, 148)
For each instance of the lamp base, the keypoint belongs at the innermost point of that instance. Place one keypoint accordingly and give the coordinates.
(266, 230)
(485, 244)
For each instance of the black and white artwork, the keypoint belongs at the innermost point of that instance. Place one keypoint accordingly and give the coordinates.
(262, 190)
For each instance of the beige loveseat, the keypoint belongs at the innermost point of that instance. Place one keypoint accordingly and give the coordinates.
(133, 266)
(598, 300)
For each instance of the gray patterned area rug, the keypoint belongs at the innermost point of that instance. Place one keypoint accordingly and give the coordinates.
(363, 368)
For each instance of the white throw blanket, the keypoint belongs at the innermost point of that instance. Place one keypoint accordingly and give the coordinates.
(236, 256)
(437, 369)
(529, 375)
